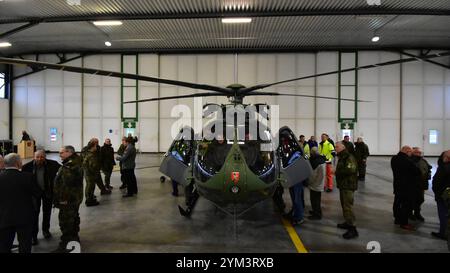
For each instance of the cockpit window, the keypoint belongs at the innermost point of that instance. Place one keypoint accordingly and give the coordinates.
(182, 148)
(289, 149)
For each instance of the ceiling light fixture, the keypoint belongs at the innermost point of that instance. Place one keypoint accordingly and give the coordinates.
(108, 43)
(5, 44)
(107, 23)
(236, 20)
(375, 38)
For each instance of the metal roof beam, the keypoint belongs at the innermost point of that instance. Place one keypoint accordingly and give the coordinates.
(35, 70)
(425, 60)
(149, 16)
(18, 29)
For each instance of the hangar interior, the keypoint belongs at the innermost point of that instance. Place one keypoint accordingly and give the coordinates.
(405, 104)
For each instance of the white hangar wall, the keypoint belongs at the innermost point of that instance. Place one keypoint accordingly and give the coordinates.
(407, 101)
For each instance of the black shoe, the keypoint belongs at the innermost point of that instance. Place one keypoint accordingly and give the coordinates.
(106, 191)
(419, 218)
(397, 222)
(329, 190)
(109, 187)
(175, 194)
(351, 233)
(344, 226)
(123, 187)
(47, 234)
(127, 195)
(439, 235)
(34, 241)
(92, 203)
(315, 217)
(311, 212)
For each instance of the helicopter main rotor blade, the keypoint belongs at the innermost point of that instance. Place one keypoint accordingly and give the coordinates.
(248, 90)
(300, 95)
(177, 97)
(63, 67)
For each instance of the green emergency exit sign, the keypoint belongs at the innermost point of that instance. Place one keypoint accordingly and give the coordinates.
(129, 124)
(347, 126)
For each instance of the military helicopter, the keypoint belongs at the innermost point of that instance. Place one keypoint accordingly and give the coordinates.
(234, 170)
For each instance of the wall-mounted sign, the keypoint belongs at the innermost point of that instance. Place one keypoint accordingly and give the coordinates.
(53, 134)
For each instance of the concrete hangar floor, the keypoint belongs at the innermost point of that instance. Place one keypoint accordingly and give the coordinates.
(151, 222)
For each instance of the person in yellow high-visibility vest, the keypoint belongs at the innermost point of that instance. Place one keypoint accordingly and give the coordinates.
(327, 149)
(305, 146)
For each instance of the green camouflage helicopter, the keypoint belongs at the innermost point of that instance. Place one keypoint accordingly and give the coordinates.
(234, 169)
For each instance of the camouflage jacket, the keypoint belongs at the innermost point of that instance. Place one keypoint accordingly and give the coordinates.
(346, 172)
(91, 165)
(69, 182)
(121, 149)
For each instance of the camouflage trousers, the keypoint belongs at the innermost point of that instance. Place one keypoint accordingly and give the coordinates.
(346, 197)
(69, 223)
(91, 181)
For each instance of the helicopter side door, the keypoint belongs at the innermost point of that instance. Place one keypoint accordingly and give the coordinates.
(177, 160)
(293, 164)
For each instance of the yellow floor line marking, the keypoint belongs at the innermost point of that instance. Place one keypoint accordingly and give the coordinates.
(294, 236)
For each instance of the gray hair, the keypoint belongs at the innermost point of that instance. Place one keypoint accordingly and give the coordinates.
(314, 151)
(12, 160)
(40, 151)
(69, 149)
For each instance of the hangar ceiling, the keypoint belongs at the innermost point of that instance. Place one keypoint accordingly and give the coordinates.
(41, 26)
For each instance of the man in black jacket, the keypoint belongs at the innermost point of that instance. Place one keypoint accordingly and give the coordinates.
(405, 173)
(441, 181)
(421, 183)
(44, 172)
(16, 205)
(108, 162)
(361, 154)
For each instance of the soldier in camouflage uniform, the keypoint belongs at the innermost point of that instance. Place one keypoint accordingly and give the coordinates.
(347, 183)
(91, 167)
(68, 195)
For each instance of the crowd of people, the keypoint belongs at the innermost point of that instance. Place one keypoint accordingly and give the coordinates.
(411, 179)
(46, 183)
(343, 162)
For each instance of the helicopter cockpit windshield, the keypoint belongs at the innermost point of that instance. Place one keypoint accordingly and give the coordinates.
(256, 149)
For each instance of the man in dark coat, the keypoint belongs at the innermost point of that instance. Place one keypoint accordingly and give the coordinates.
(361, 154)
(312, 142)
(421, 183)
(405, 173)
(108, 162)
(348, 145)
(441, 189)
(25, 136)
(128, 160)
(44, 172)
(16, 205)
(120, 152)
